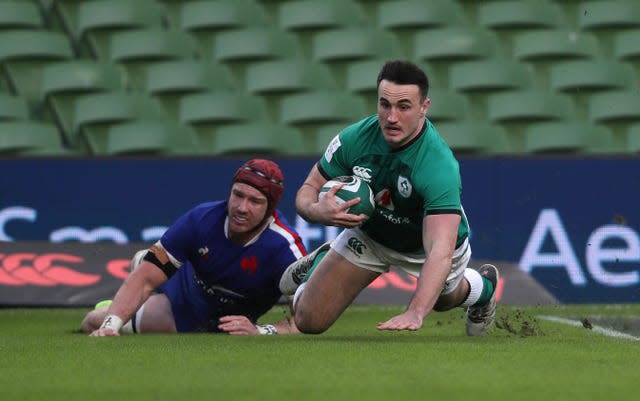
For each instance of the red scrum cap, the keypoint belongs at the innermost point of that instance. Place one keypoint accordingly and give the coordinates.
(265, 176)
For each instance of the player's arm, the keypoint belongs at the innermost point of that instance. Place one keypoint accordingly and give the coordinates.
(133, 292)
(326, 210)
(241, 325)
(439, 237)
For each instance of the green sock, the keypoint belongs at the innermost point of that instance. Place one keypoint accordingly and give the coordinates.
(315, 264)
(487, 292)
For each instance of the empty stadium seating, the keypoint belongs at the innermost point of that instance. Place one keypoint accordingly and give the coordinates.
(511, 72)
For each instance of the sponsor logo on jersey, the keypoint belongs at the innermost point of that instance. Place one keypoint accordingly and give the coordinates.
(356, 246)
(383, 198)
(362, 172)
(331, 149)
(404, 186)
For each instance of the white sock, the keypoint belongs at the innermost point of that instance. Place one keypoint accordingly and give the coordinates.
(475, 287)
(129, 327)
(296, 296)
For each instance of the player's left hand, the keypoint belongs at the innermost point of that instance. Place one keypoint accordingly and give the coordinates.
(405, 321)
(237, 325)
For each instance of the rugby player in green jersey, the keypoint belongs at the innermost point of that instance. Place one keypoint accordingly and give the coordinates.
(418, 225)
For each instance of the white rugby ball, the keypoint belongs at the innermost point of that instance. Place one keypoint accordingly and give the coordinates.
(354, 187)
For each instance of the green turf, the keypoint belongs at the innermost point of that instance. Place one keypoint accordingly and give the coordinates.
(528, 359)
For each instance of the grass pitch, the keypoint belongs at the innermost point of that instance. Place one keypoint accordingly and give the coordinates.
(527, 358)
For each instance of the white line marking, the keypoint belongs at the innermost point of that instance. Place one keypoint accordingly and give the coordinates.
(597, 329)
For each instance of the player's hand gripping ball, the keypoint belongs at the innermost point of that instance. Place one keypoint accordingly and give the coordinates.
(354, 187)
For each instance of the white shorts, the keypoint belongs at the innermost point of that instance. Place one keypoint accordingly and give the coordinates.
(362, 251)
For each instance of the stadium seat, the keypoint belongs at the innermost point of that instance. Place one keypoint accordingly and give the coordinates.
(94, 113)
(208, 111)
(254, 44)
(609, 14)
(321, 107)
(454, 44)
(287, 76)
(169, 81)
(30, 138)
(627, 45)
(350, 44)
(137, 49)
(554, 44)
(415, 14)
(258, 139)
(310, 15)
(612, 106)
(447, 106)
(64, 81)
(97, 20)
(318, 139)
(589, 76)
(633, 139)
(469, 137)
(567, 137)
(519, 15)
(204, 19)
(148, 138)
(20, 15)
(23, 54)
(529, 106)
(488, 76)
(13, 108)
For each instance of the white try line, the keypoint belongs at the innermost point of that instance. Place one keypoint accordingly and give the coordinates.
(597, 329)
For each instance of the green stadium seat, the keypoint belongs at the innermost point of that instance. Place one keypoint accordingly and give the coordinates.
(97, 20)
(287, 76)
(64, 81)
(23, 54)
(609, 14)
(567, 137)
(321, 107)
(13, 108)
(136, 50)
(554, 44)
(588, 76)
(310, 15)
(488, 76)
(148, 138)
(351, 44)
(204, 19)
(258, 139)
(209, 111)
(254, 44)
(627, 45)
(319, 139)
(633, 139)
(469, 137)
(448, 106)
(620, 106)
(94, 113)
(20, 15)
(30, 138)
(415, 14)
(519, 15)
(454, 44)
(529, 106)
(169, 81)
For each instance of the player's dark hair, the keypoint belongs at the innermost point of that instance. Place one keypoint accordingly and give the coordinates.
(403, 72)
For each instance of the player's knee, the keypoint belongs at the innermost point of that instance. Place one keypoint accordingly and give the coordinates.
(91, 322)
(307, 324)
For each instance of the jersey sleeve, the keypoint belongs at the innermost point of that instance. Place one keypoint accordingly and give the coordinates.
(442, 195)
(179, 239)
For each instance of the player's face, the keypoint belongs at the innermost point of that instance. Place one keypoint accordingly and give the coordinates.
(400, 112)
(247, 208)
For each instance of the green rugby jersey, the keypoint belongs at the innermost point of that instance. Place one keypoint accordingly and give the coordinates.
(421, 178)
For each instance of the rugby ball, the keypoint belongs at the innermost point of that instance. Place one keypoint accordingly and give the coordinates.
(354, 187)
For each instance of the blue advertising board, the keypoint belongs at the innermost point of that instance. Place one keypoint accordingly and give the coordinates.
(571, 223)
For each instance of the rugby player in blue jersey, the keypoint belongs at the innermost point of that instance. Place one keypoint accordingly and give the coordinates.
(216, 269)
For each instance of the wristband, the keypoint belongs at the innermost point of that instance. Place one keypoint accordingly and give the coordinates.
(112, 322)
(267, 329)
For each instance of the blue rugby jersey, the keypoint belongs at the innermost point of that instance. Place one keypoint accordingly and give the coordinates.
(249, 273)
